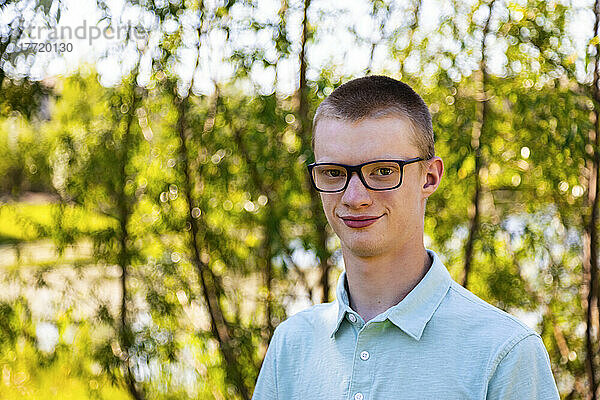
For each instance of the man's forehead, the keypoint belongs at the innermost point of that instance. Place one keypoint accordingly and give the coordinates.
(371, 126)
(375, 138)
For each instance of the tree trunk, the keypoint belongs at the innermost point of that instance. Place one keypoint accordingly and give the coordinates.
(220, 328)
(209, 283)
(124, 239)
(591, 255)
(479, 126)
(591, 266)
(319, 221)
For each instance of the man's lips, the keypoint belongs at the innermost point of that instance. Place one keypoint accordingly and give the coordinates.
(360, 221)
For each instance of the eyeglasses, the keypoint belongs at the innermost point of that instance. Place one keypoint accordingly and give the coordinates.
(375, 175)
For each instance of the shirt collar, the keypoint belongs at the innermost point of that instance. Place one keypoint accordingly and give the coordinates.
(415, 310)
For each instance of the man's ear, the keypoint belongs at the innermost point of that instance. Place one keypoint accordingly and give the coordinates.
(434, 169)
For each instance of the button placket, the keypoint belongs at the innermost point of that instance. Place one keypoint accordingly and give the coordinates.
(362, 371)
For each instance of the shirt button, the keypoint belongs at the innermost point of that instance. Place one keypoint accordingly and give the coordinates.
(359, 396)
(364, 355)
(352, 319)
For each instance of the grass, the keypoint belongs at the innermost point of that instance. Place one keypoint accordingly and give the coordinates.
(56, 383)
(28, 222)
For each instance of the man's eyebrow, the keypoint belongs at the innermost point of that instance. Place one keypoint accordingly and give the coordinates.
(382, 157)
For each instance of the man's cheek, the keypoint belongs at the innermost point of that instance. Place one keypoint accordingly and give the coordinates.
(329, 208)
(327, 202)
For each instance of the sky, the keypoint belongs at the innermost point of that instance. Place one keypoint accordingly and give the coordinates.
(336, 47)
(79, 25)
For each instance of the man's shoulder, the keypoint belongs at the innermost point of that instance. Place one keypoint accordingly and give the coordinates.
(305, 323)
(479, 307)
(476, 317)
(504, 341)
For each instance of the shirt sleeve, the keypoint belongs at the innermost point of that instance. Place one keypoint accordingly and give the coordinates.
(523, 373)
(266, 384)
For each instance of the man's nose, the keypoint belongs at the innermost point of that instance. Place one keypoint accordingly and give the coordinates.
(356, 194)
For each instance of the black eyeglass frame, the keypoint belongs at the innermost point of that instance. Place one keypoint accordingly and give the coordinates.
(357, 168)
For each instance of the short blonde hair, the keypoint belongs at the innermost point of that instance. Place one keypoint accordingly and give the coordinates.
(376, 96)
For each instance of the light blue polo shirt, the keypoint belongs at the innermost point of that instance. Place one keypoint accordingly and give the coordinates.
(440, 342)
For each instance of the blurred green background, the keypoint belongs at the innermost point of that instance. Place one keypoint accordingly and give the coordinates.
(156, 219)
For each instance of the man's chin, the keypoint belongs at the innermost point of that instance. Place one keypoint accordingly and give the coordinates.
(363, 249)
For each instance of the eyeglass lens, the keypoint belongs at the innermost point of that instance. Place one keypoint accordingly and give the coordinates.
(377, 175)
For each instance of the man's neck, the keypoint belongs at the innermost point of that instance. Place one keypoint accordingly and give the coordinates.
(378, 283)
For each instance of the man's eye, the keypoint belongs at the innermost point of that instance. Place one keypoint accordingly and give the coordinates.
(332, 173)
(384, 171)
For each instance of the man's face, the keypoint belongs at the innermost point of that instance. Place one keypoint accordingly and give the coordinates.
(395, 217)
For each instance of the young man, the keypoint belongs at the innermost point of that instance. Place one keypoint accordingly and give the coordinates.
(400, 328)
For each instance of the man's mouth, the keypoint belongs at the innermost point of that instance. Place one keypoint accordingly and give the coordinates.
(360, 221)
